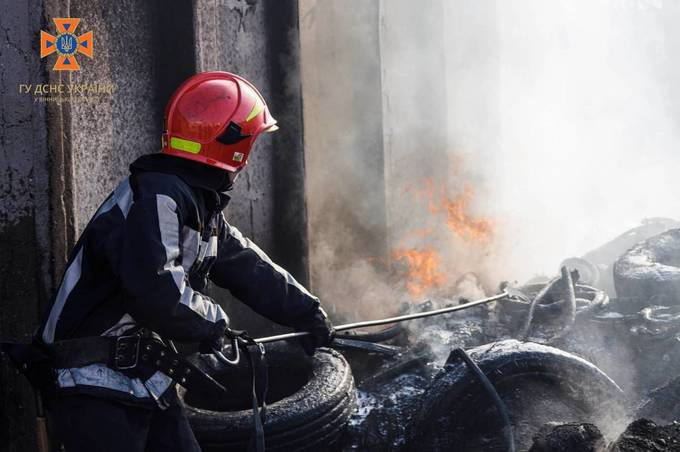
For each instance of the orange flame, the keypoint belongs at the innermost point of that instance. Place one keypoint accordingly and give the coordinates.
(423, 272)
(423, 269)
(456, 210)
(461, 223)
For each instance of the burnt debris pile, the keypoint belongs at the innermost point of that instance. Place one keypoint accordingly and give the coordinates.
(570, 437)
(586, 360)
(640, 435)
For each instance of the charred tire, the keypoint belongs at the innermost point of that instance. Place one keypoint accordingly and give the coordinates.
(651, 269)
(588, 272)
(588, 300)
(309, 402)
(457, 414)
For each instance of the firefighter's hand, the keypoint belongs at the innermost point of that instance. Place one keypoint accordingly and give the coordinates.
(216, 339)
(320, 329)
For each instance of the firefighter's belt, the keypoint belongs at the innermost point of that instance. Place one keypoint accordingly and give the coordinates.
(125, 353)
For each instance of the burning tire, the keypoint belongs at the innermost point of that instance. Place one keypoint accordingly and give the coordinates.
(651, 269)
(309, 402)
(537, 383)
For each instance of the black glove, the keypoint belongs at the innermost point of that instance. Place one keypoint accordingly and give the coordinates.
(216, 339)
(320, 329)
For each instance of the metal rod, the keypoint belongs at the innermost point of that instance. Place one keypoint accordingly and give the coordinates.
(235, 350)
(401, 318)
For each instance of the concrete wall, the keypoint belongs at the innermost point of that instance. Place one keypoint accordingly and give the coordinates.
(24, 212)
(60, 160)
(92, 142)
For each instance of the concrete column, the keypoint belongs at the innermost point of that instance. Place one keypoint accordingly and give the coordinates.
(290, 206)
(415, 112)
(231, 36)
(341, 87)
(259, 41)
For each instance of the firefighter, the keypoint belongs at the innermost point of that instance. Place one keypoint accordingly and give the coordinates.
(138, 272)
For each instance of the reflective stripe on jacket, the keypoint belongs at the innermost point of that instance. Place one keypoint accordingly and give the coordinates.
(143, 260)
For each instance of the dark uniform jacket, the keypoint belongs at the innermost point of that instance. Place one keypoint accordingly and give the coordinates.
(144, 259)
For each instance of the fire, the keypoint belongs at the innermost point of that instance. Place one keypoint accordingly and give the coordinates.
(423, 269)
(461, 223)
(456, 210)
(424, 272)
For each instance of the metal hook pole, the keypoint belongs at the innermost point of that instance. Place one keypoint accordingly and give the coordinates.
(401, 318)
(237, 355)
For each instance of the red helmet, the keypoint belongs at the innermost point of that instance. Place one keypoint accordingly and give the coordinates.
(214, 118)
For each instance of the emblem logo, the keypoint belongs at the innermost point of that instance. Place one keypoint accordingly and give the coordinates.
(66, 44)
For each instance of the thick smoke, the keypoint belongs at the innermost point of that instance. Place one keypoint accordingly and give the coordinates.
(550, 123)
(585, 100)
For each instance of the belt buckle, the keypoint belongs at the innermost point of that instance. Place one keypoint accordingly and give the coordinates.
(122, 358)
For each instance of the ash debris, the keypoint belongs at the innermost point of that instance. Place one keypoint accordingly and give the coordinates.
(645, 435)
(571, 437)
(640, 435)
(634, 340)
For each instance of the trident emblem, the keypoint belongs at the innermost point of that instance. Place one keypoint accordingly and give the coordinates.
(66, 44)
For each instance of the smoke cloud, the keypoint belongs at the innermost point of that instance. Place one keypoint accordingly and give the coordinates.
(500, 137)
(587, 106)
